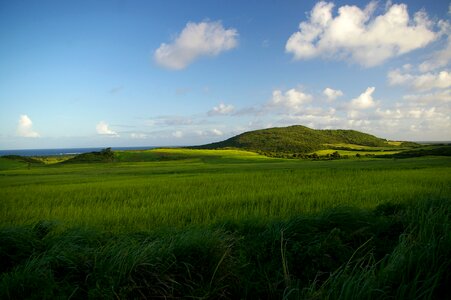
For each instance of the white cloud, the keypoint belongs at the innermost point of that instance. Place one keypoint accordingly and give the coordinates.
(217, 132)
(102, 128)
(422, 117)
(196, 40)
(420, 82)
(365, 100)
(292, 99)
(356, 35)
(221, 109)
(414, 122)
(396, 77)
(332, 94)
(390, 114)
(170, 121)
(439, 59)
(177, 134)
(316, 118)
(429, 81)
(25, 127)
(209, 133)
(141, 136)
(436, 97)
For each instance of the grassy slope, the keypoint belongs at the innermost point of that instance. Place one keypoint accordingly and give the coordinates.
(226, 224)
(169, 154)
(203, 187)
(297, 139)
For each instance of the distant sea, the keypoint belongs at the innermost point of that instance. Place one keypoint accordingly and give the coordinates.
(63, 151)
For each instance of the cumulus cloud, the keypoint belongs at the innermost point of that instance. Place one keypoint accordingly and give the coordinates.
(103, 128)
(177, 134)
(25, 127)
(315, 118)
(216, 132)
(332, 94)
(196, 40)
(365, 100)
(420, 82)
(435, 97)
(356, 34)
(292, 99)
(221, 109)
(394, 113)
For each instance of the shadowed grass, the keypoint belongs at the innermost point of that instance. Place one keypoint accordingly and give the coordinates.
(391, 252)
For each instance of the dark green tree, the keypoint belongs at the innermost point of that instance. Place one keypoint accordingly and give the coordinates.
(335, 155)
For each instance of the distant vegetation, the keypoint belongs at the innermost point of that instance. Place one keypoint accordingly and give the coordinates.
(298, 139)
(22, 159)
(300, 142)
(436, 150)
(106, 155)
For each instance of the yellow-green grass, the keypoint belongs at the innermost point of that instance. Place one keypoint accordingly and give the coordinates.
(241, 154)
(351, 146)
(394, 143)
(390, 146)
(354, 152)
(136, 195)
(182, 153)
(54, 159)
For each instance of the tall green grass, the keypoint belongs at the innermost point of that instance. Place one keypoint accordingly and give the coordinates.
(391, 252)
(145, 195)
(226, 226)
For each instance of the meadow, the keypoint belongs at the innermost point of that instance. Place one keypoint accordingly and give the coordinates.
(225, 224)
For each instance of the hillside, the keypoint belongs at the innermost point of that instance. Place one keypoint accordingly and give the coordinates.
(296, 139)
(105, 155)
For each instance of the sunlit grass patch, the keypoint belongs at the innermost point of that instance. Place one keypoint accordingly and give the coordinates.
(352, 153)
(351, 146)
(394, 143)
(214, 153)
(53, 159)
(162, 154)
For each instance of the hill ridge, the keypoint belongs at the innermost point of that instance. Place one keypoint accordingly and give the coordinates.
(296, 139)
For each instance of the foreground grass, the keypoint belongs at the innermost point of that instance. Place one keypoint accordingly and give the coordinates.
(390, 252)
(174, 223)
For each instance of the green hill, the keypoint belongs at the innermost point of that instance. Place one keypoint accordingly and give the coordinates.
(105, 155)
(297, 139)
(23, 159)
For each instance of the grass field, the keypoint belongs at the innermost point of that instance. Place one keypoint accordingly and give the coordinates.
(225, 224)
(206, 186)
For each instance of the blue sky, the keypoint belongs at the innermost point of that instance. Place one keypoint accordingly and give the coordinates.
(144, 73)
